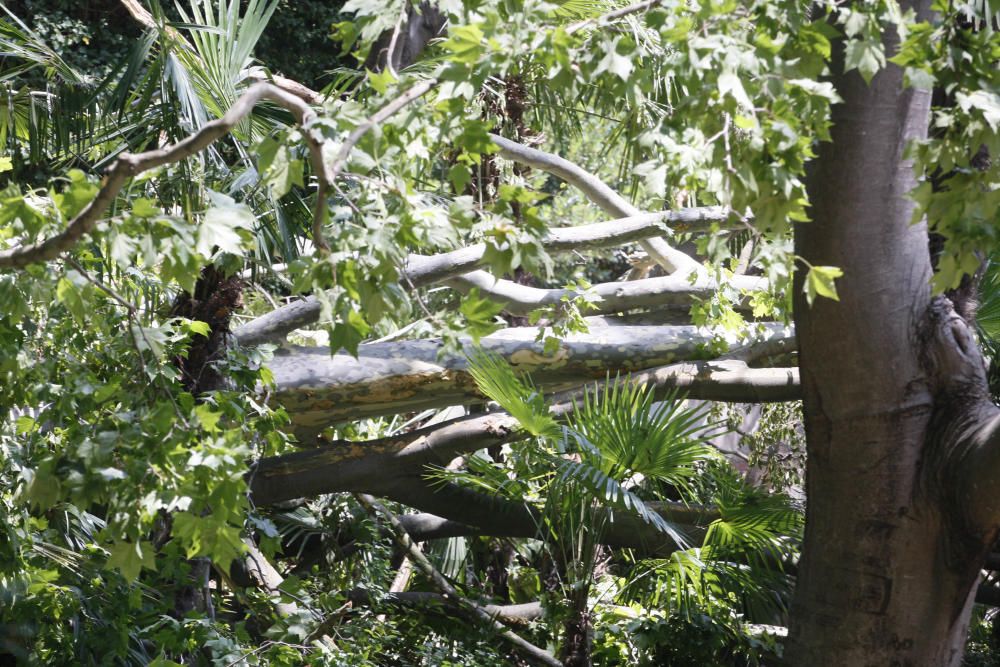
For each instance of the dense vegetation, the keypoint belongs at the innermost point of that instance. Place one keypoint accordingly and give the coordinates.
(498, 430)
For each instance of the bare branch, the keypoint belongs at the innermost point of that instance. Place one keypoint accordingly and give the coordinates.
(509, 614)
(598, 192)
(471, 608)
(128, 165)
(615, 15)
(615, 297)
(423, 270)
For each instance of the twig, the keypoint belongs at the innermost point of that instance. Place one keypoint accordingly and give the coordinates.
(390, 52)
(130, 307)
(612, 16)
(536, 654)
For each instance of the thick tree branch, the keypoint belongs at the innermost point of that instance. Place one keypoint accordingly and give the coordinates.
(318, 389)
(128, 165)
(423, 270)
(673, 290)
(598, 192)
(500, 517)
(365, 466)
(469, 607)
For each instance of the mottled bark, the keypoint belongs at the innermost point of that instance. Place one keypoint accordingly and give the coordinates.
(899, 455)
(319, 390)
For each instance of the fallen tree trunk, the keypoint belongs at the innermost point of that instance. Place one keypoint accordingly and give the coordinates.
(319, 390)
(378, 464)
(511, 614)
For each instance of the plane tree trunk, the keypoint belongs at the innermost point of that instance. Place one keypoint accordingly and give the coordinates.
(902, 465)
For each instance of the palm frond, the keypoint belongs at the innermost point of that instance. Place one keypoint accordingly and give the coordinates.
(609, 492)
(988, 314)
(497, 381)
(635, 435)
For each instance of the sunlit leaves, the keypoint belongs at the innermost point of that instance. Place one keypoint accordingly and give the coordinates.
(130, 557)
(281, 169)
(497, 380)
(220, 228)
(465, 42)
(820, 281)
(480, 315)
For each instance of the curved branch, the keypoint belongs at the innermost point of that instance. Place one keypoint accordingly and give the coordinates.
(422, 270)
(598, 192)
(128, 165)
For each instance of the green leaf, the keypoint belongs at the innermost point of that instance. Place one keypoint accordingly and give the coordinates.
(460, 176)
(480, 314)
(106, 391)
(78, 194)
(5, 164)
(820, 281)
(496, 380)
(145, 208)
(199, 327)
(24, 424)
(130, 557)
(280, 169)
(69, 295)
(44, 489)
(221, 224)
(865, 55)
(465, 43)
(381, 80)
(348, 333)
(207, 417)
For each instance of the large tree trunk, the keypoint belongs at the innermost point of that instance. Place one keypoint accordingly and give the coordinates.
(890, 560)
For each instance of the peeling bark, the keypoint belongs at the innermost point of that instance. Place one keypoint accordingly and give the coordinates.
(319, 390)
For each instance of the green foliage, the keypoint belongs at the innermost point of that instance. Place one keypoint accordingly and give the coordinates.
(116, 475)
(617, 448)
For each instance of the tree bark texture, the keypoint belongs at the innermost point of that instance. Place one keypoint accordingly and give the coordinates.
(319, 390)
(891, 556)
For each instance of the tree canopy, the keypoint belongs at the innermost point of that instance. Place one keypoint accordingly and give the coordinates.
(478, 332)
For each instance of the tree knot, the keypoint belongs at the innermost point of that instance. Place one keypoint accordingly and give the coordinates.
(951, 357)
